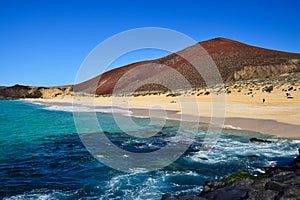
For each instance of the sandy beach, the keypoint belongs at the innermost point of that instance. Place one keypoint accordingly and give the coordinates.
(278, 115)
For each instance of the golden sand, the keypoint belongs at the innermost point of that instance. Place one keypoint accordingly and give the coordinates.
(278, 115)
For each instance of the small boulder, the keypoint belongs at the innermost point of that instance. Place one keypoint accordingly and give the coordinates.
(212, 186)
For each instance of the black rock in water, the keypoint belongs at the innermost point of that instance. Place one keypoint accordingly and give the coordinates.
(259, 140)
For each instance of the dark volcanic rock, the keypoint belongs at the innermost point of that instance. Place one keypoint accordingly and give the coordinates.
(292, 192)
(244, 182)
(212, 186)
(229, 193)
(279, 183)
(181, 197)
(260, 184)
(19, 91)
(273, 185)
(284, 176)
(262, 194)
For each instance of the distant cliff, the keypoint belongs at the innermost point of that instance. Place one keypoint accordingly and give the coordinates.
(21, 91)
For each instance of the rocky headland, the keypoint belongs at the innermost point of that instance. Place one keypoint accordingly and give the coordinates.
(22, 91)
(278, 183)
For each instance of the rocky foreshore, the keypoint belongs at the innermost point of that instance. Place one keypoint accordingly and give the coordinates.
(278, 183)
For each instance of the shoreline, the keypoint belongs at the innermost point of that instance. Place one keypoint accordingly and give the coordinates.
(140, 107)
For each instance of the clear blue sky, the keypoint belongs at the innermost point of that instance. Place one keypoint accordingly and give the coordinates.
(44, 42)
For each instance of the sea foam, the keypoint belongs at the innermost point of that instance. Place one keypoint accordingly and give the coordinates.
(88, 109)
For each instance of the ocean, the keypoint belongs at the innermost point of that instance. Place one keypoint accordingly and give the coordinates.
(42, 157)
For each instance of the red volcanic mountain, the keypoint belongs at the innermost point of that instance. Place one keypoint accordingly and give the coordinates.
(234, 60)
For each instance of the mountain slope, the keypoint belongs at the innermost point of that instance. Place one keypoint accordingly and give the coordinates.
(234, 60)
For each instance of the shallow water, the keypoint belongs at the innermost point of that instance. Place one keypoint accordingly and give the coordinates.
(42, 157)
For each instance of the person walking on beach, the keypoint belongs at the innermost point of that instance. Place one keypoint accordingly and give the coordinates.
(264, 100)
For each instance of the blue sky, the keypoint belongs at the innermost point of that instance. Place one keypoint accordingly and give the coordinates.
(45, 42)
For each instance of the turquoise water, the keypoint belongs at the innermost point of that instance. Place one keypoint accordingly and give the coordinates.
(42, 157)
